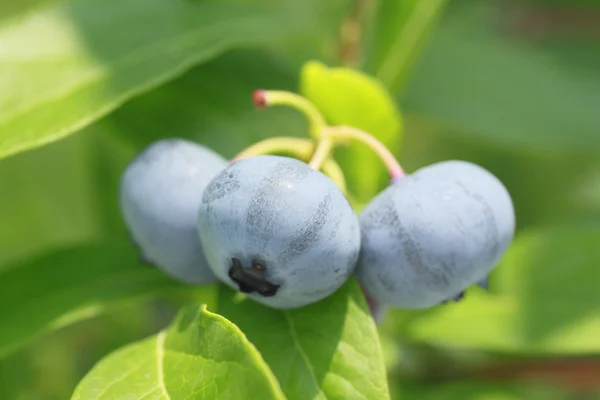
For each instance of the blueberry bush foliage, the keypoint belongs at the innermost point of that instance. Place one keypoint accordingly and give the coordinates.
(86, 84)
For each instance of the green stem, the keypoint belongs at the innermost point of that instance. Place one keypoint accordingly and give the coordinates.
(300, 148)
(322, 152)
(333, 170)
(344, 133)
(265, 98)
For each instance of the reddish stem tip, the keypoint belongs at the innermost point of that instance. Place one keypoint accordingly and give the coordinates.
(396, 177)
(259, 98)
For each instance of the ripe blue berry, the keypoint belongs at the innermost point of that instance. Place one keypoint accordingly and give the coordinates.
(432, 234)
(160, 193)
(276, 229)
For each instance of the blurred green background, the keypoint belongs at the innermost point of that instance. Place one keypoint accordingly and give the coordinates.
(511, 85)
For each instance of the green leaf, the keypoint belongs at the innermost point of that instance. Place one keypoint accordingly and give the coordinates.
(482, 390)
(107, 160)
(319, 38)
(212, 104)
(63, 356)
(45, 198)
(61, 194)
(544, 299)
(68, 285)
(348, 97)
(398, 32)
(508, 93)
(200, 356)
(586, 197)
(10, 9)
(103, 52)
(327, 350)
(552, 274)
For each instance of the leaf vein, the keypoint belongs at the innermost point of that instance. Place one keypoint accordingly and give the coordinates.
(160, 357)
(303, 354)
(402, 46)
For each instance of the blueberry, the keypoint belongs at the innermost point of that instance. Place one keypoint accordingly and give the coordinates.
(160, 193)
(274, 228)
(429, 236)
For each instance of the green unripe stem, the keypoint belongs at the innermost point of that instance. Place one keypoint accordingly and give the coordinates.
(300, 148)
(333, 170)
(322, 152)
(267, 98)
(328, 137)
(321, 159)
(339, 134)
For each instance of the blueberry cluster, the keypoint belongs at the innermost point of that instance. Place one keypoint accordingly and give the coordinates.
(283, 233)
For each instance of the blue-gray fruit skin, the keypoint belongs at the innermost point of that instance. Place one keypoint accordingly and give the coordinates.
(433, 233)
(276, 229)
(160, 194)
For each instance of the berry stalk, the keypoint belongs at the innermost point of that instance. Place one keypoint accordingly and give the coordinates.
(300, 148)
(333, 170)
(328, 136)
(343, 133)
(266, 98)
(322, 152)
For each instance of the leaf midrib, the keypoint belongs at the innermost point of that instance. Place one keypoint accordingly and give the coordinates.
(160, 357)
(113, 383)
(303, 355)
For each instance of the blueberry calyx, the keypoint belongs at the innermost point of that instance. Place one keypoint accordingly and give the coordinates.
(483, 284)
(253, 279)
(455, 298)
(458, 297)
